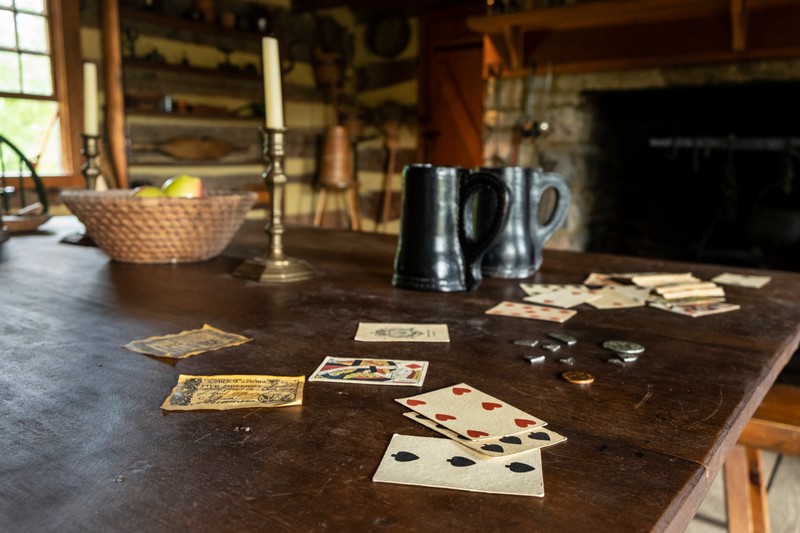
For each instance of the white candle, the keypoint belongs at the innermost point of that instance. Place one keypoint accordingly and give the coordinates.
(273, 97)
(90, 99)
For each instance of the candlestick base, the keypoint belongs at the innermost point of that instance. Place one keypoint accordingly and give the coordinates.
(274, 270)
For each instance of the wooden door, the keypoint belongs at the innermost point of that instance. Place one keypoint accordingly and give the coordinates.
(452, 91)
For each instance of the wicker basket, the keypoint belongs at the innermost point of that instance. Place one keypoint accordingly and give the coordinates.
(160, 230)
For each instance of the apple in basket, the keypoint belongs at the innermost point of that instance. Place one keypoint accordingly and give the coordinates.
(183, 186)
(147, 191)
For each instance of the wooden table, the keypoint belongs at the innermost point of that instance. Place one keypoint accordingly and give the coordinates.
(84, 445)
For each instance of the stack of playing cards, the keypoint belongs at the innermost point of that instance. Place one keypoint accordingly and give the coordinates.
(491, 446)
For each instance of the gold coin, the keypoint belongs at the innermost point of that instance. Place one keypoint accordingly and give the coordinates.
(581, 378)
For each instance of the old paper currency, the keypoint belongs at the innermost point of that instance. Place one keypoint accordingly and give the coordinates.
(234, 391)
(187, 343)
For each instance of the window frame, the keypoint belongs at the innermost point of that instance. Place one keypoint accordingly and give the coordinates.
(66, 65)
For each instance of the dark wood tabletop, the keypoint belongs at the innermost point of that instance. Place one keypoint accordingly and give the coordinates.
(84, 445)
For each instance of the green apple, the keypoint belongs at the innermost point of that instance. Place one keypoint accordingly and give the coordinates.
(183, 186)
(147, 191)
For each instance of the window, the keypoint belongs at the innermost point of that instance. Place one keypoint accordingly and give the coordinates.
(35, 93)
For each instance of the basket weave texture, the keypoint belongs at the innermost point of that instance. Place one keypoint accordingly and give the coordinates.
(160, 230)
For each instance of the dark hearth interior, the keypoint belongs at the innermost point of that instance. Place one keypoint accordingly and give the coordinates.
(701, 174)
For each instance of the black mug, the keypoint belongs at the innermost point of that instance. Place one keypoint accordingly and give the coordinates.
(517, 251)
(436, 251)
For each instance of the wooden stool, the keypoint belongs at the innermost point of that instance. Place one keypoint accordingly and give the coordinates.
(336, 175)
(775, 426)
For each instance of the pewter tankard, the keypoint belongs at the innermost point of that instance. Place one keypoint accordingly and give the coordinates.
(517, 251)
(435, 249)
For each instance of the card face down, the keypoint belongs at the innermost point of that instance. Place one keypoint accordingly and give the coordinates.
(370, 371)
(742, 280)
(443, 463)
(470, 412)
(379, 332)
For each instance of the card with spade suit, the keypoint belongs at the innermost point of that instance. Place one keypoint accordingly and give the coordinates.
(470, 412)
(370, 371)
(434, 462)
(497, 447)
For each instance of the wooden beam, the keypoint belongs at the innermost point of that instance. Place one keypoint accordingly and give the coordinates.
(115, 98)
(738, 25)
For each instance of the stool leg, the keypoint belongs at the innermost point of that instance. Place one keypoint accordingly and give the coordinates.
(320, 206)
(745, 491)
(353, 208)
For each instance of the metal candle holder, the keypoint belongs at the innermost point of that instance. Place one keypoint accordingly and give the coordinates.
(90, 169)
(276, 267)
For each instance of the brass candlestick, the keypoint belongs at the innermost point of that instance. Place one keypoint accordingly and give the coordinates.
(276, 267)
(90, 169)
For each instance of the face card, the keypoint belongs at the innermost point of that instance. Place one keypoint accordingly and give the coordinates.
(442, 463)
(620, 297)
(696, 310)
(742, 280)
(371, 371)
(187, 343)
(500, 446)
(565, 298)
(378, 332)
(470, 412)
(534, 312)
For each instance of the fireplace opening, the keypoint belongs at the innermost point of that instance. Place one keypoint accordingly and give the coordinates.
(699, 174)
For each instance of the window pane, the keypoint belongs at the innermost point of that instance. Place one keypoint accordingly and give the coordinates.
(36, 75)
(33, 6)
(9, 66)
(32, 33)
(27, 123)
(7, 34)
(5, 3)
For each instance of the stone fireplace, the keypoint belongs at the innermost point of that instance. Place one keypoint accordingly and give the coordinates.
(691, 163)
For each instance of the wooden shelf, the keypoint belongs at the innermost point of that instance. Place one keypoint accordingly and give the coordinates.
(190, 31)
(133, 112)
(640, 33)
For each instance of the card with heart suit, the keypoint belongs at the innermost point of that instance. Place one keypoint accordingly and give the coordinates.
(470, 412)
(696, 310)
(565, 298)
(535, 289)
(370, 371)
(496, 447)
(378, 332)
(620, 297)
(596, 279)
(443, 463)
(534, 312)
(742, 280)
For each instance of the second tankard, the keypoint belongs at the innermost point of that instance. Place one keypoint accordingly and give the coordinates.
(517, 251)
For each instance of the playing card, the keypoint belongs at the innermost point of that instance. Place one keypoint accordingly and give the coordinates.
(742, 280)
(470, 412)
(500, 446)
(535, 312)
(370, 371)
(620, 297)
(442, 463)
(378, 332)
(654, 279)
(564, 298)
(186, 343)
(534, 289)
(696, 310)
(595, 279)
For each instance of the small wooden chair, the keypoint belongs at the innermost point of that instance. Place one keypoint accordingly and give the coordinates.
(775, 427)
